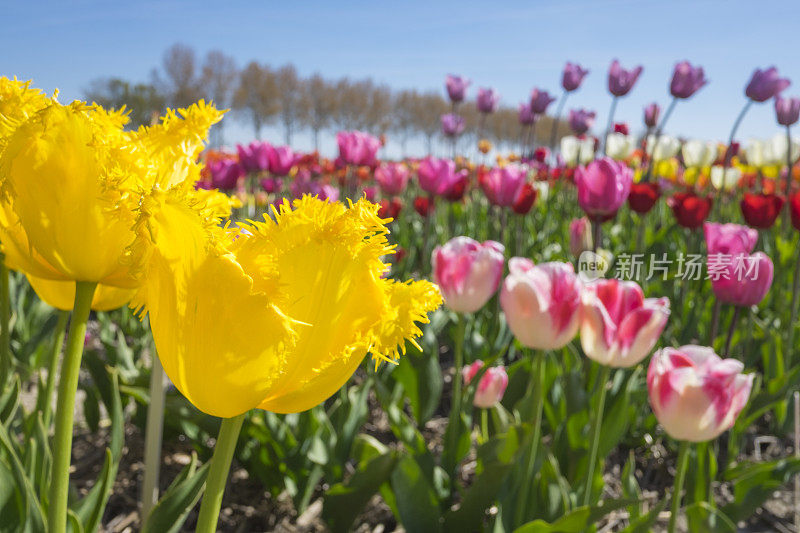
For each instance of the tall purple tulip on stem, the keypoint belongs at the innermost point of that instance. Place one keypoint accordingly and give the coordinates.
(620, 83)
(540, 101)
(787, 111)
(686, 81)
(571, 80)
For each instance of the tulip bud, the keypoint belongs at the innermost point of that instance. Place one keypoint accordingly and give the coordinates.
(580, 236)
(540, 101)
(787, 110)
(488, 99)
(453, 125)
(651, 113)
(686, 80)
(541, 303)
(491, 387)
(643, 196)
(573, 76)
(467, 272)
(456, 87)
(526, 197)
(621, 81)
(620, 326)
(525, 115)
(581, 120)
(765, 84)
(694, 393)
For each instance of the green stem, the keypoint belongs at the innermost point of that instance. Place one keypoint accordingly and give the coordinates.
(605, 372)
(536, 394)
(218, 474)
(793, 316)
(485, 425)
(153, 437)
(65, 406)
(458, 363)
(683, 463)
(52, 365)
(5, 323)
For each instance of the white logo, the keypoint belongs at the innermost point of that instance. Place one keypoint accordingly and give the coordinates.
(592, 266)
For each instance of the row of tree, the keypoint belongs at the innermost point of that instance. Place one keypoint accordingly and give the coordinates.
(261, 95)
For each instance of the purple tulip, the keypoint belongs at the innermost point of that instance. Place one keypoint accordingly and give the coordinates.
(540, 101)
(580, 120)
(526, 115)
(686, 80)
(281, 160)
(651, 113)
(453, 125)
(488, 99)
(255, 156)
(225, 174)
(573, 76)
(787, 110)
(271, 185)
(621, 81)
(456, 87)
(765, 84)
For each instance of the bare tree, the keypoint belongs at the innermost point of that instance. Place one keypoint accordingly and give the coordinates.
(218, 81)
(289, 98)
(319, 105)
(142, 100)
(378, 116)
(403, 108)
(256, 96)
(428, 116)
(179, 76)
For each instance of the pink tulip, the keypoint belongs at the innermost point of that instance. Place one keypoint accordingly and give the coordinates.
(729, 239)
(502, 185)
(620, 326)
(491, 387)
(542, 303)
(392, 178)
(740, 279)
(281, 160)
(456, 87)
(225, 174)
(255, 156)
(580, 236)
(694, 394)
(603, 186)
(467, 272)
(357, 148)
(438, 176)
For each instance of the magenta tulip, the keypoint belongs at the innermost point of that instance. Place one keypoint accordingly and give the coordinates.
(740, 279)
(540, 101)
(621, 81)
(619, 325)
(467, 272)
(603, 186)
(488, 100)
(254, 157)
(580, 120)
(686, 80)
(281, 160)
(453, 125)
(392, 178)
(765, 84)
(439, 176)
(491, 387)
(542, 303)
(729, 239)
(502, 185)
(225, 174)
(525, 115)
(787, 110)
(573, 76)
(456, 87)
(358, 148)
(695, 394)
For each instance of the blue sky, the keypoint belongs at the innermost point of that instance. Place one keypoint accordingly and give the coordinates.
(512, 46)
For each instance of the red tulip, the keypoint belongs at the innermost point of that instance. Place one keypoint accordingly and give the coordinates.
(690, 210)
(526, 197)
(423, 205)
(643, 196)
(390, 208)
(794, 208)
(761, 210)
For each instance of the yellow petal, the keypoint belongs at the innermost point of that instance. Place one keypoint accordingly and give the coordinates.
(61, 294)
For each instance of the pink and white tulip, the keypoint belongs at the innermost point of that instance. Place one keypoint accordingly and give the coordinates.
(694, 393)
(542, 303)
(580, 236)
(467, 272)
(491, 387)
(619, 325)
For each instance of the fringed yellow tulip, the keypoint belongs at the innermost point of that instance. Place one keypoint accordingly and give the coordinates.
(61, 294)
(279, 314)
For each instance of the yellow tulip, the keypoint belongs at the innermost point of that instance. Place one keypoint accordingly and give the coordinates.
(61, 294)
(276, 315)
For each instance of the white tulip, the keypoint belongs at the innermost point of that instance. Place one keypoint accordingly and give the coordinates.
(697, 153)
(576, 151)
(666, 148)
(725, 179)
(542, 190)
(619, 146)
(776, 148)
(755, 151)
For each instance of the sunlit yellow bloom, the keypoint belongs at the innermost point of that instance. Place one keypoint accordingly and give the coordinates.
(61, 294)
(71, 177)
(277, 314)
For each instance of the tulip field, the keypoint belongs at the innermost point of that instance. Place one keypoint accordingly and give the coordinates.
(583, 330)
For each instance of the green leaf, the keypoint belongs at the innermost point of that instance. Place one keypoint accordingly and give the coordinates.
(703, 516)
(171, 511)
(343, 502)
(577, 521)
(754, 483)
(416, 499)
(33, 514)
(645, 523)
(630, 487)
(12, 503)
